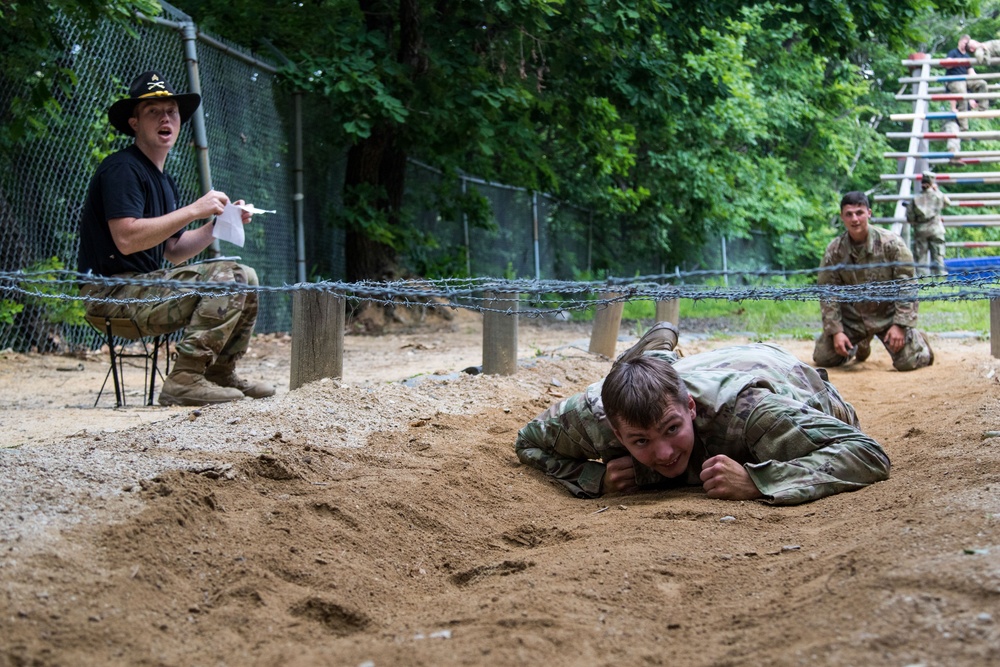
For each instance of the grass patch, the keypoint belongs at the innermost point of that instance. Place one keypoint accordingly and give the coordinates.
(795, 319)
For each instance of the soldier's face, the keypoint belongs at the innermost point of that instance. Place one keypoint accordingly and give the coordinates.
(666, 446)
(156, 124)
(855, 218)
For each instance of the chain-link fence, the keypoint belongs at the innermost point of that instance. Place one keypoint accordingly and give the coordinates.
(249, 125)
(44, 185)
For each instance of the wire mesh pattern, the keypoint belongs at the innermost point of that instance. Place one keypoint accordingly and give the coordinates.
(541, 297)
(534, 245)
(44, 185)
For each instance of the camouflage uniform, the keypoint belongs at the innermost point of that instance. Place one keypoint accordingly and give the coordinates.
(216, 328)
(924, 216)
(862, 320)
(757, 404)
(987, 50)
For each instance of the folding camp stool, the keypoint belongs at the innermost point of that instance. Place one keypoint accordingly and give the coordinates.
(126, 341)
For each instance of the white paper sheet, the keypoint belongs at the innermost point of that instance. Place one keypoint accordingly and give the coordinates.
(250, 208)
(229, 226)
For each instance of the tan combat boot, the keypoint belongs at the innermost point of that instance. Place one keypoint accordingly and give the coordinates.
(187, 385)
(223, 373)
(661, 336)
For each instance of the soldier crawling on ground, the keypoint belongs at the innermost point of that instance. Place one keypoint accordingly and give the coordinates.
(744, 422)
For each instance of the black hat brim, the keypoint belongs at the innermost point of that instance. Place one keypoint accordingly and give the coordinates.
(121, 111)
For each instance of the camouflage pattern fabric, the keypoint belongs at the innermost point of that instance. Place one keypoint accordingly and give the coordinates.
(214, 326)
(963, 88)
(987, 50)
(954, 145)
(758, 404)
(924, 216)
(862, 320)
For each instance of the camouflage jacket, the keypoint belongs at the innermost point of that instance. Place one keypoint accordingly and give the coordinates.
(989, 49)
(872, 317)
(758, 404)
(925, 210)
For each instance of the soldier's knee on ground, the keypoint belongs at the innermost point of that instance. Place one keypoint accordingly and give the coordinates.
(824, 354)
(916, 353)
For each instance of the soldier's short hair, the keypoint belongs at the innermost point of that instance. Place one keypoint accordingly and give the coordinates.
(638, 391)
(855, 198)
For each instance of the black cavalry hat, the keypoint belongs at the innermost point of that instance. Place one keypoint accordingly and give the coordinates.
(150, 86)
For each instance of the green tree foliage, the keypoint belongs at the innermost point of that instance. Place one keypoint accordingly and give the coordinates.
(34, 56)
(672, 121)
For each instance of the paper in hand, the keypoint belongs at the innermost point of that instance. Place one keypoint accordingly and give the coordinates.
(250, 208)
(229, 225)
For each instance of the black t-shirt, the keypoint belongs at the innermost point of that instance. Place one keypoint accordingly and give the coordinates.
(960, 69)
(126, 185)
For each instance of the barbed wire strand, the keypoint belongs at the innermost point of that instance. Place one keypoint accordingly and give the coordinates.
(533, 297)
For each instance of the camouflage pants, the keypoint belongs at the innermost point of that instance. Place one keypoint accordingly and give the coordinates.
(962, 88)
(215, 327)
(930, 239)
(915, 353)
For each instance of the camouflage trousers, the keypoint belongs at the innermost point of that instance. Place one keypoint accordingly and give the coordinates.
(216, 328)
(929, 239)
(963, 88)
(915, 353)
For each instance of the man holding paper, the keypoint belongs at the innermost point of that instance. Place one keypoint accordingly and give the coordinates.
(131, 222)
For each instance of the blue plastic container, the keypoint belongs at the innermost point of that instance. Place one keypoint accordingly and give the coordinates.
(973, 268)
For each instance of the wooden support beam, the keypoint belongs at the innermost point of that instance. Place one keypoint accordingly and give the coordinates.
(951, 77)
(995, 327)
(961, 155)
(942, 136)
(951, 220)
(317, 337)
(607, 322)
(992, 197)
(944, 97)
(669, 311)
(947, 62)
(500, 334)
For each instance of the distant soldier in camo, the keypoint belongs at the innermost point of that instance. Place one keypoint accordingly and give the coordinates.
(131, 222)
(983, 51)
(848, 327)
(961, 81)
(926, 225)
(743, 422)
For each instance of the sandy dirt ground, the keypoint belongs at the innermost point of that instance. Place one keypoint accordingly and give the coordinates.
(383, 519)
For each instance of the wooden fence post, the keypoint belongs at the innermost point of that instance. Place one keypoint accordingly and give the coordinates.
(995, 327)
(317, 337)
(500, 335)
(607, 321)
(669, 311)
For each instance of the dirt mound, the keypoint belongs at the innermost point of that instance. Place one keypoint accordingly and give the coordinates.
(375, 523)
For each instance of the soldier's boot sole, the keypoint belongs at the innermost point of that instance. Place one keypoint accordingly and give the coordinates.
(661, 336)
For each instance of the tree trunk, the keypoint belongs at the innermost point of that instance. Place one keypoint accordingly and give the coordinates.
(378, 164)
(371, 167)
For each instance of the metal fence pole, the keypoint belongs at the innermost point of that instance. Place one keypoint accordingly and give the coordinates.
(725, 263)
(465, 229)
(534, 221)
(189, 34)
(298, 197)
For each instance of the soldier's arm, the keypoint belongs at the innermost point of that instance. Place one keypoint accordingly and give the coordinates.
(570, 457)
(805, 454)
